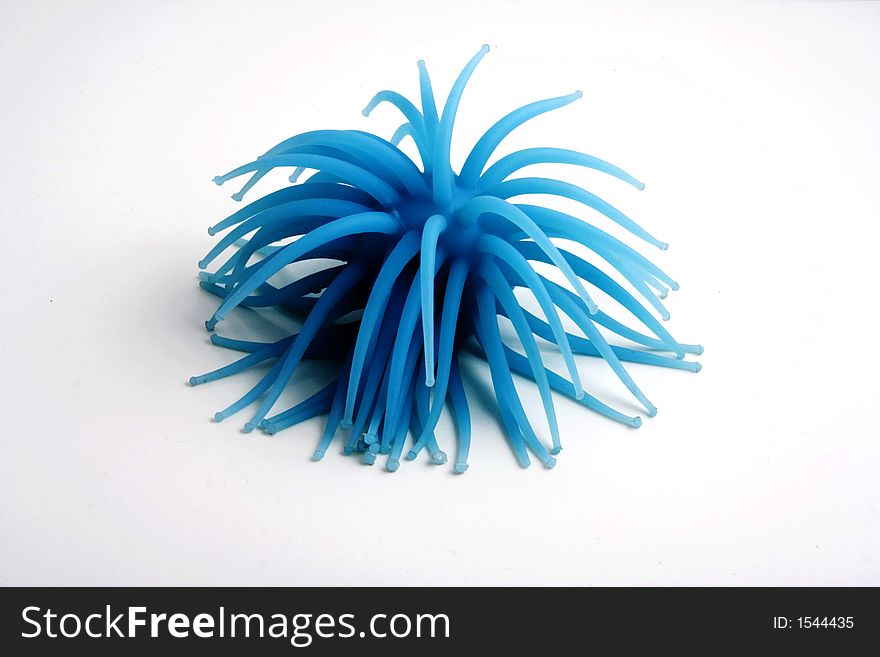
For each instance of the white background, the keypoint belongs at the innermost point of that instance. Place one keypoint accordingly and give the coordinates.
(754, 126)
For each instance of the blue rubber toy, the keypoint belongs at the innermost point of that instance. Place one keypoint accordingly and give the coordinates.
(426, 260)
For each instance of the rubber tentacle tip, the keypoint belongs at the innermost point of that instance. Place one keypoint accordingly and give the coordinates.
(439, 457)
(318, 454)
(393, 465)
(550, 463)
(460, 467)
(219, 417)
(369, 458)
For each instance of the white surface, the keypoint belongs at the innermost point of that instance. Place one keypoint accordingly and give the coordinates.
(754, 126)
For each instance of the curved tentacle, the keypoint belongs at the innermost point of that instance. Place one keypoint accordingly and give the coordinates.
(391, 269)
(512, 163)
(500, 287)
(612, 250)
(370, 390)
(455, 283)
(435, 225)
(422, 402)
(461, 414)
(480, 205)
(573, 308)
(343, 283)
(378, 412)
(286, 195)
(442, 171)
(309, 284)
(403, 131)
(366, 222)
(398, 431)
(505, 392)
(609, 286)
(351, 173)
(334, 416)
(409, 319)
(358, 147)
(317, 404)
(411, 114)
(581, 345)
(429, 106)
(519, 365)
(487, 144)
(397, 411)
(505, 252)
(523, 186)
(298, 216)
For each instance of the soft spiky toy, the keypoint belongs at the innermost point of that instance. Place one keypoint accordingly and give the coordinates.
(429, 259)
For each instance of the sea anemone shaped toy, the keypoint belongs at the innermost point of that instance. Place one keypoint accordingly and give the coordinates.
(423, 262)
